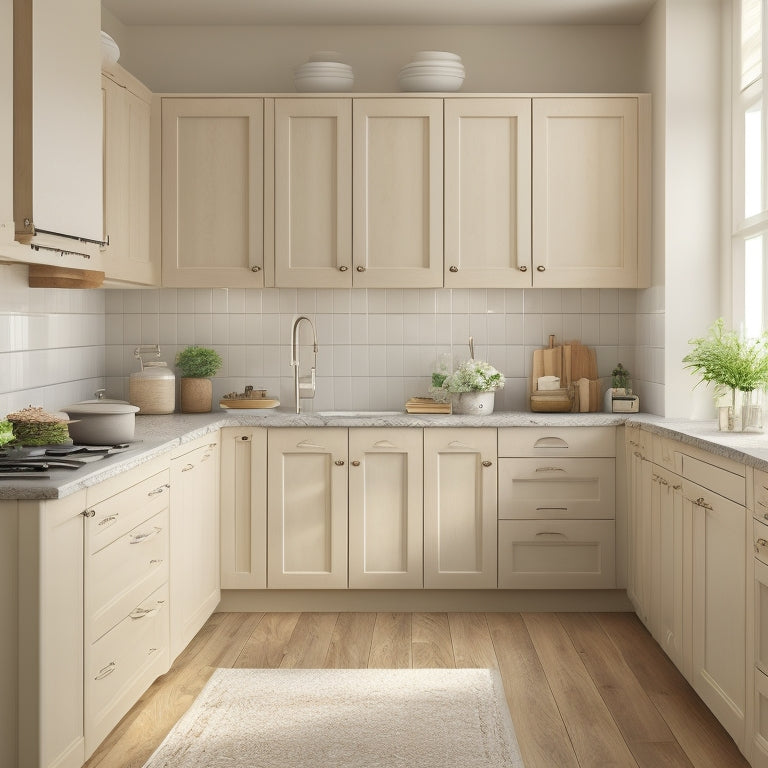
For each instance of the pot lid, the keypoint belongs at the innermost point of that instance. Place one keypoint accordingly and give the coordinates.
(99, 407)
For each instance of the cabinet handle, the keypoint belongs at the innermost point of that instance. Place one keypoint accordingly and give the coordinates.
(551, 533)
(138, 538)
(142, 613)
(354, 463)
(523, 268)
(156, 561)
(244, 437)
(187, 467)
(487, 463)
(676, 487)
(339, 462)
(551, 509)
(701, 503)
(255, 269)
(540, 268)
(109, 519)
(343, 268)
(549, 469)
(158, 490)
(453, 269)
(105, 671)
(360, 269)
(88, 513)
(760, 543)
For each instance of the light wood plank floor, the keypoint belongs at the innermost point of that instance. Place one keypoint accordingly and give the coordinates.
(585, 690)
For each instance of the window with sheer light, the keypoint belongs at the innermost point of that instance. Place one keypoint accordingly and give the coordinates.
(750, 212)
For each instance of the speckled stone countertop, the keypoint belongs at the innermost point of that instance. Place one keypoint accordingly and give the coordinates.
(157, 435)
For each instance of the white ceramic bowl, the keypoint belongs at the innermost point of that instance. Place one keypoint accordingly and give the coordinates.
(110, 51)
(430, 82)
(436, 56)
(321, 68)
(323, 83)
(422, 69)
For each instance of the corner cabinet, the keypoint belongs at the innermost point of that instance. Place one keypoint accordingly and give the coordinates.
(590, 192)
(213, 192)
(127, 255)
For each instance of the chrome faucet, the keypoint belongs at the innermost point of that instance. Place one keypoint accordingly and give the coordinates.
(303, 385)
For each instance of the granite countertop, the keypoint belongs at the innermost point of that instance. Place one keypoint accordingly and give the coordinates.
(157, 435)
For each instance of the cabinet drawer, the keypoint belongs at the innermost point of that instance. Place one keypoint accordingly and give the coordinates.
(118, 514)
(760, 488)
(716, 479)
(542, 489)
(556, 554)
(561, 441)
(121, 665)
(120, 576)
(760, 540)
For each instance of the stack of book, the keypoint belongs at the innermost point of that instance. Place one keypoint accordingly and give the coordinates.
(426, 405)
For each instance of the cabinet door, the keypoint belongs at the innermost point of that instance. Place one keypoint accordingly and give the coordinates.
(126, 185)
(386, 508)
(718, 605)
(313, 193)
(397, 148)
(243, 508)
(585, 192)
(212, 176)
(307, 508)
(639, 529)
(487, 193)
(460, 508)
(195, 580)
(7, 232)
(761, 615)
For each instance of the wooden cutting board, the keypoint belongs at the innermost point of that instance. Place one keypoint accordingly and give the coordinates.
(583, 362)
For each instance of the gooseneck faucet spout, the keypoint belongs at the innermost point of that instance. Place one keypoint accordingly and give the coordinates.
(304, 385)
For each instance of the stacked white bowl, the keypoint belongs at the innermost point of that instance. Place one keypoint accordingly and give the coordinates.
(324, 72)
(432, 71)
(110, 52)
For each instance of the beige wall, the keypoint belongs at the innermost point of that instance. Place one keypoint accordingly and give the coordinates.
(497, 59)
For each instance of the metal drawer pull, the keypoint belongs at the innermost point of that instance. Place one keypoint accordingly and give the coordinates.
(161, 489)
(88, 513)
(676, 487)
(487, 463)
(343, 268)
(339, 462)
(212, 445)
(109, 519)
(701, 503)
(760, 543)
(551, 533)
(138, 538)
(551, 509)
(187, 467)
(105, 671)
(355, 463)
(550, 442)
(156, 561)
(141, 613)
(549, 469)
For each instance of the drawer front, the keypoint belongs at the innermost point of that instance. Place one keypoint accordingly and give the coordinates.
(716, 479)
(122, 664)
(561, 441)
(761, 494)
(120, 576)
(118, 514)
(541, 489)
(556, 554)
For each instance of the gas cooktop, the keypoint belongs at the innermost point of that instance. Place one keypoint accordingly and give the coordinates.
(34, 462)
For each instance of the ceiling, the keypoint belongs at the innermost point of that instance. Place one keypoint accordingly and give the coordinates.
(365, 12)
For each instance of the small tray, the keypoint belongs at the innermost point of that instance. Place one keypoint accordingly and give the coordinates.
(253, 402)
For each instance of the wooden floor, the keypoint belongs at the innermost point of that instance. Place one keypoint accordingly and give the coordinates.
(588, 690)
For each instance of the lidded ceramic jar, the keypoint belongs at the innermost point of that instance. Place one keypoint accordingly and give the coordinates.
(153, 388)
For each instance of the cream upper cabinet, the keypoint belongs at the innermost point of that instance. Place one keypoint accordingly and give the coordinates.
(487, 193)
(212, 192)
(127, 256)
(590, 188)
(307, 508)
(385, 508)
(243, 508)
(398, 192)
(460, 508)
(313, 193)
(7, 231)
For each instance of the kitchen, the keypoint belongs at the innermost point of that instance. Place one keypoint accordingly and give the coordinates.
(61, 346)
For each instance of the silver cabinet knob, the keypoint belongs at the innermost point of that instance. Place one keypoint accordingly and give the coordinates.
(360, 269)
(487, 463)
(89, 513)
(523, 268)
(355, 463)
(453, 269)
(343, 268)
(339, 462)
(255, 269)
(540, 268)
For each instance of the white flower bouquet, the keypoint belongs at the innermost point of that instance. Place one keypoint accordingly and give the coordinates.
(474, 376)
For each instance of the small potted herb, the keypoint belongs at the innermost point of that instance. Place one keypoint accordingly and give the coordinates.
(738, 368)
(197, 365)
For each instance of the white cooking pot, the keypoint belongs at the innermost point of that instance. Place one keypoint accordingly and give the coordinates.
(101, 422)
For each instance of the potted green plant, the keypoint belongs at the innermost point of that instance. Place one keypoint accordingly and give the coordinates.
(197, 365)
(473, 386)
(738, 367)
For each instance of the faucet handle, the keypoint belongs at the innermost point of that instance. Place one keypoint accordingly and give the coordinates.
(307, 385)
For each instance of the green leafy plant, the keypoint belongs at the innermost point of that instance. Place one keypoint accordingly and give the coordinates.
(619, 377)
(728, 360)
(6, 432)
(474, 376)
(198, 362)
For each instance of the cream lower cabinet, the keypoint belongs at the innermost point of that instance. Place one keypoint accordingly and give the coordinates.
(195, 573)
(638, 521)
(307, 508)
(590, 192)
(243, 508)
(460, 536)
(213, 192)
(127, 256)
(487, 193)
(313, 193)
(757, 622)
(397, 182)
(386, 509)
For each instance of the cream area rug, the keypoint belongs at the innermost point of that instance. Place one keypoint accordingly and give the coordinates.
(344, 718)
